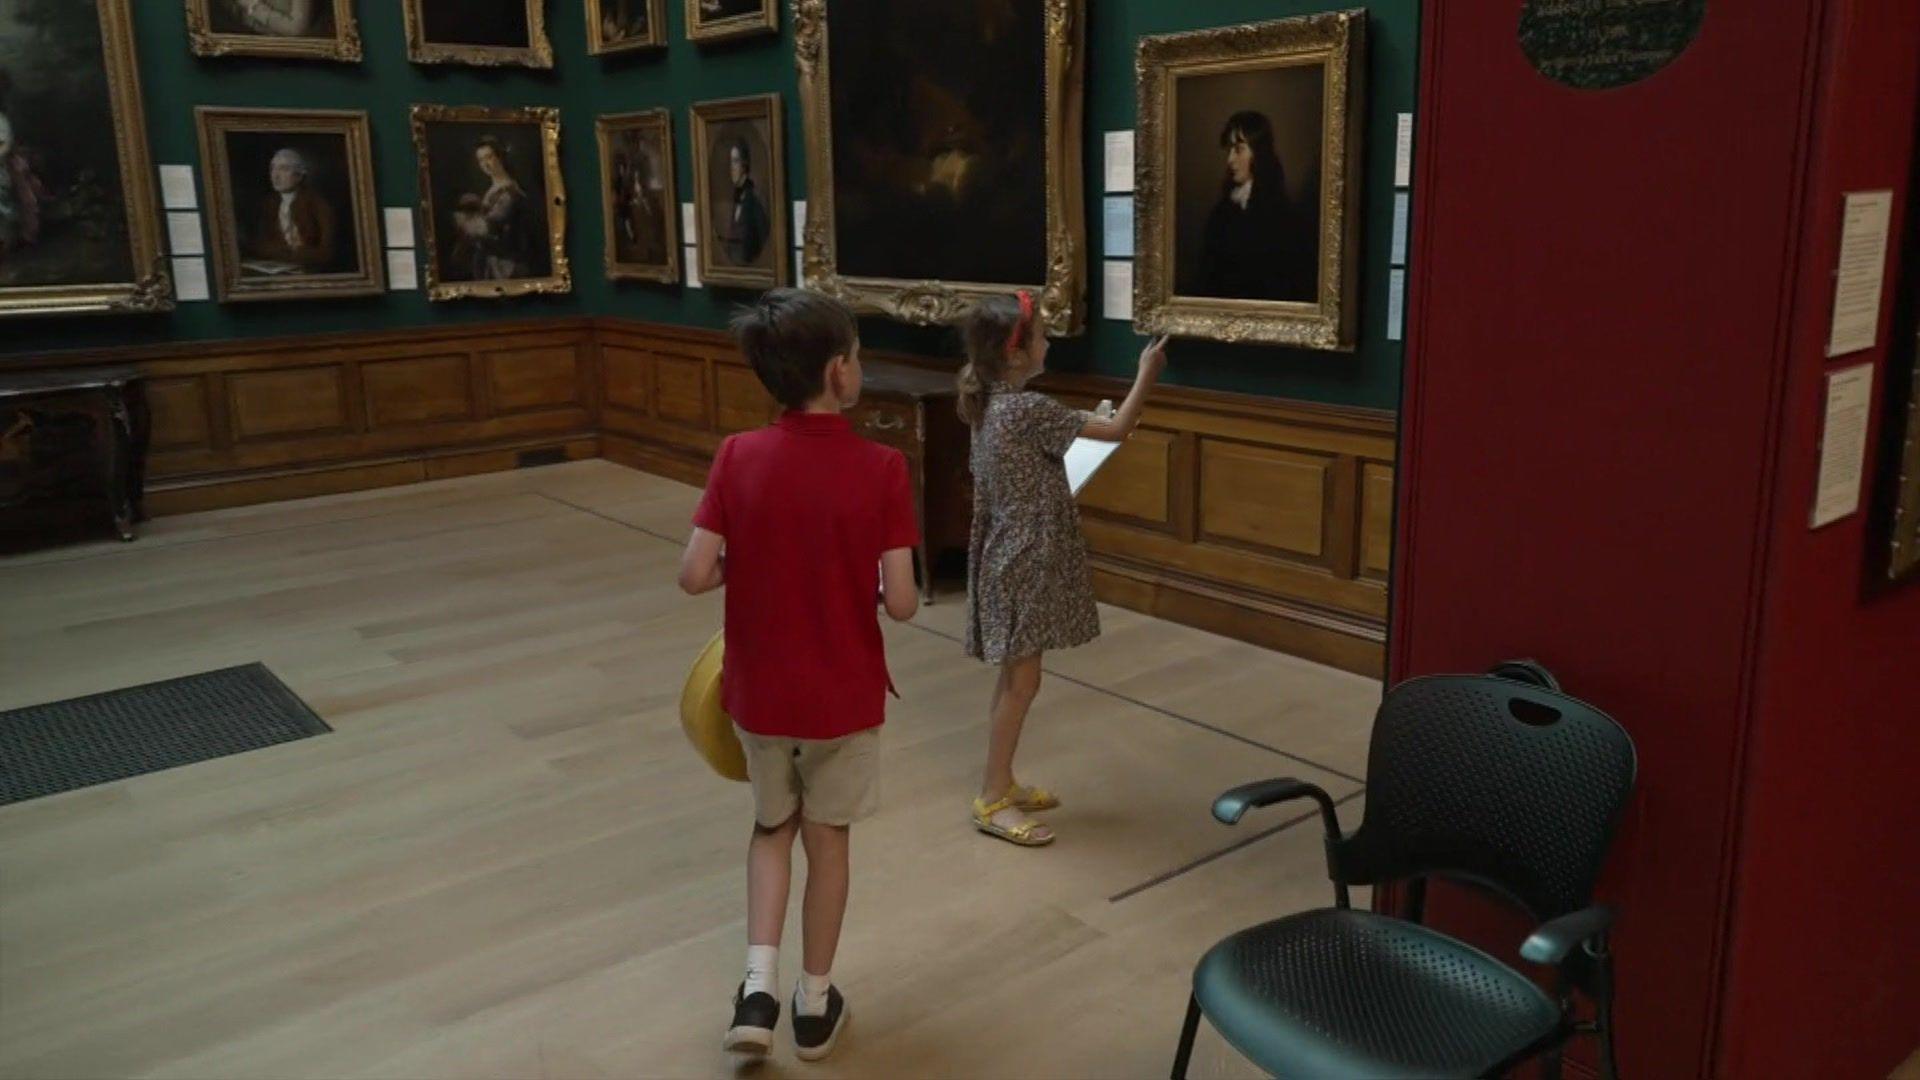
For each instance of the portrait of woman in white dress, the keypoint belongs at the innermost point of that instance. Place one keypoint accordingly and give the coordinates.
(273, 18)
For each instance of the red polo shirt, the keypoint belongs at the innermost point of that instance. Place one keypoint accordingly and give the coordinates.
(806, 507)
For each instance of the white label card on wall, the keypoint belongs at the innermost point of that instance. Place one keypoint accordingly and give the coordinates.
(799, 224)
(799, 270)
(690, 258)
(1119, 227)
(183, 233)
(403, 270)
(1403, 152)
(190, 279)
(1396, 303)
(1116, 290)
(1861, 275)
(1401, 209)
(399, 226)
(1119, 171)
(1843, 444)
(176, 188)
(689, 224)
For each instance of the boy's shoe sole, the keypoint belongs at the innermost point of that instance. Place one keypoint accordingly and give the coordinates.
(751, 1041)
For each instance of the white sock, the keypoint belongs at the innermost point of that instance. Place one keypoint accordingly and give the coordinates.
(810, 997)
(763, 970)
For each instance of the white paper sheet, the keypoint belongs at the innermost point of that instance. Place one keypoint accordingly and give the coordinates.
(176, 188)
(1403, 152)
(1401, 209)
(1861, 276)
(799, 225)
(1116, 290)
(1118, 232)
(799, 271)
(690, 258)
(183, 233)
(1084, 458)
(1843, 445)
(689, 225)
(399, 226)
(1119, 171)
(190, 279)
(1396, 303)
(403, 270)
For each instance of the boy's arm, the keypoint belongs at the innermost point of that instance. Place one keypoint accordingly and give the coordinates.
(703, 566)
(897, 590)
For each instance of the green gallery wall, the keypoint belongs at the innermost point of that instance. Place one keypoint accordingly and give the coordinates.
(582, 86)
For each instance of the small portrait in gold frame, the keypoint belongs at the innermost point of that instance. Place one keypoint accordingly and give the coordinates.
(1248, 182)
(494, 206)
(288, 29)
(639, 203)
(480, 33)
(740, 191)
(290, 203)
(618, 26)
(723, 20)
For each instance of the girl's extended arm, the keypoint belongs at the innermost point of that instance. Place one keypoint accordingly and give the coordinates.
(1116, 428)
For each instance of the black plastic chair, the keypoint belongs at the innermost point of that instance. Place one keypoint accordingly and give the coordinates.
(1497, 780)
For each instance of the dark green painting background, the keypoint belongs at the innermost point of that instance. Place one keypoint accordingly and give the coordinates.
(583, 87)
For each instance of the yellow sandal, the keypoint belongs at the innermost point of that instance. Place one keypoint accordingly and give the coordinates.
(1033, 799)
(1021, 834)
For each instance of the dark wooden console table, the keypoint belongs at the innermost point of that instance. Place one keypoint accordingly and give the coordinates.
(73, 447)
(912, 410)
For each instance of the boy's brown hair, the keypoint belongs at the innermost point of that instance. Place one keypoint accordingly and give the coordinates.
(789, 335)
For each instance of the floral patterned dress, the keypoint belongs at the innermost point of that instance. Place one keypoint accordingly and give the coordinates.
(1027, 584)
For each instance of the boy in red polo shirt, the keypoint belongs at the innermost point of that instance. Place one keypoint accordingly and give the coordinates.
(795, 518)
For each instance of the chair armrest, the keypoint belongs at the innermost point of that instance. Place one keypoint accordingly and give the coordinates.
(1553, 940)
(1232, 805)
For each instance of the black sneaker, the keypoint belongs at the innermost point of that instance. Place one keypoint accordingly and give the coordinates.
(814, 1036)
(753, 1018)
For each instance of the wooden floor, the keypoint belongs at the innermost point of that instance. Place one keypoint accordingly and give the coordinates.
(504, 861)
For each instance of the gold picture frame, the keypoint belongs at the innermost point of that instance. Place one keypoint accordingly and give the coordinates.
(241, 276)
(707, 115)
(1334, 41)
(1061, 296)
(550, 200)
(763, 20)
(537, 53)
(607, 129)
(343, 45)
(601, 43)
(145, 292)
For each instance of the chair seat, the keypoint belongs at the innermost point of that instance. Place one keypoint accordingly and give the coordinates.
(1351, 993)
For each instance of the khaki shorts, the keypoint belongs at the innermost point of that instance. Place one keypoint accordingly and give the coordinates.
(829, 781)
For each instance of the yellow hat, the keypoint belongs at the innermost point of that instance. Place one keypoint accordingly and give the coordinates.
(706, 723)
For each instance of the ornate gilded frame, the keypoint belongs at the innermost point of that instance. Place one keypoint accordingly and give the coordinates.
(343, 46)
(1336, 39)
(560, 280)
(153, 291)
(214, 124)
(755, 107)
(538, 53)
(765, 21)
(656, 30)
(604, 128)
(1062, 296)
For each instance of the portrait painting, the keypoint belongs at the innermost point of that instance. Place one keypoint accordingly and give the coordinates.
(494, 205)
(317, 29)
(932, 125)
(483, 33)
(1247, 205)
(290, 204)
(638, 201)
(740, 193)
(720, 20)
(615, 26)
(79, 223)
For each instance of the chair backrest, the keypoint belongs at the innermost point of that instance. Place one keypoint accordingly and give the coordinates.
(1511, 785)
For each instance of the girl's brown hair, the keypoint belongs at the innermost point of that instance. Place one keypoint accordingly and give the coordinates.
(995, 328)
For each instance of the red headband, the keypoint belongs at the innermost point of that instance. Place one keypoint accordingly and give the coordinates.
(1026, 318)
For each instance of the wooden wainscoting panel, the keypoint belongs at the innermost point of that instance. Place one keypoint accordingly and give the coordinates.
(180, 414)
(680, 390)
(291, 401)
(417, 390)
(740, 403)
(1137, 481)
(1236, 567)
(626, 377)
(1376, 519)
(523, 380)
(1264, 497)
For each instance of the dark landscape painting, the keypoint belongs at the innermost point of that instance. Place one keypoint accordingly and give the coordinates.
(272, 18)
(494, 23)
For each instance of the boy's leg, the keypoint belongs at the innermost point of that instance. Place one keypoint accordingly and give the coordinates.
(1018, 687)
(824, 908)
(769, 878)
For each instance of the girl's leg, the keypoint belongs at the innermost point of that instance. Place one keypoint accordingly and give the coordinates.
(1019, 686)
(825, 905)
